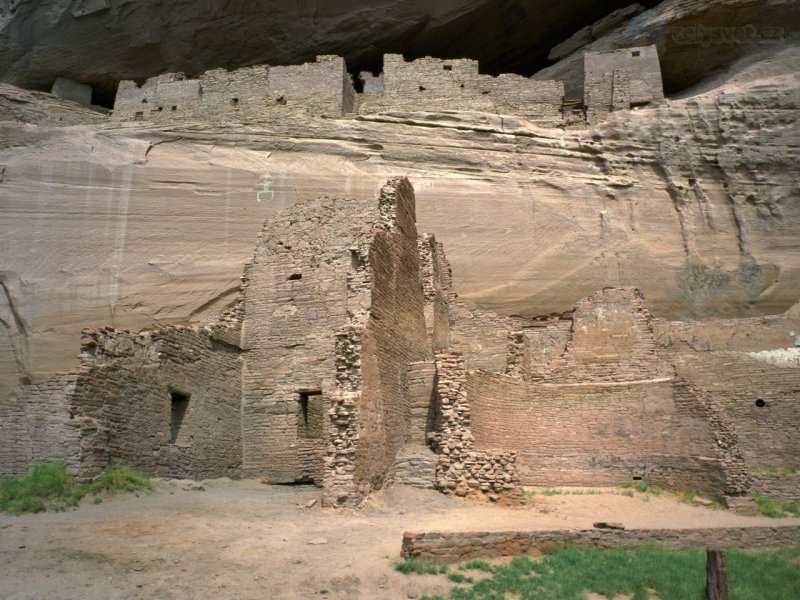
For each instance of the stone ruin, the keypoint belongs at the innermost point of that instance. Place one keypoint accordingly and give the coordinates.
(616, 80)
(348, 361)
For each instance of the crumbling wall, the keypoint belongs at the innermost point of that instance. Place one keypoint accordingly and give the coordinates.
(432, 84)
(591, 403)
(619, 80)
(395, 334)
(165, 401)
(759, 397)
(437, 287)
(309, 275)
(251, 94)
(597, 434)
(462, 468)
(611, 339)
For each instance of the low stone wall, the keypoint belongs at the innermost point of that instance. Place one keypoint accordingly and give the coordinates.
(457, 546)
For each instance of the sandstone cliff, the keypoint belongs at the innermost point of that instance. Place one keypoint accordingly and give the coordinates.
(695, 202)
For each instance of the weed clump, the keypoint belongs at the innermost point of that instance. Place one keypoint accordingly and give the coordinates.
(49, 486)
(775, 509)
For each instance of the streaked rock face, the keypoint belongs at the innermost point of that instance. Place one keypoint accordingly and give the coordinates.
(694, 202)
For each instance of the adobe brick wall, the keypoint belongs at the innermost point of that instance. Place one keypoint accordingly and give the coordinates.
(458, 546)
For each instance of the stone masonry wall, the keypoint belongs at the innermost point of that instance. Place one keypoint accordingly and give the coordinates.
(619, 80)
(165, 401)
(760, 398)
(611, 339)
(432, 84)
(463, 469)
(252, 94)
(457, 546)
(309, 278)
(597, 434)
(35, 426)
(779, 486)
(437, 287)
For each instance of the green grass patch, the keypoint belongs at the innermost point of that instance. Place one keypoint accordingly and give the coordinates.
(476, 565)
(420, 567)
(776, 508)
(456, 577)
(49, 486)
(569, 572)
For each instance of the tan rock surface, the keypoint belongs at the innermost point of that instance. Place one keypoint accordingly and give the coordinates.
(695, 202)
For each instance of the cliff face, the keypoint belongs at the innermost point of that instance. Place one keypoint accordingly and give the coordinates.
(103, 41)
(695, 202)
(101, 223)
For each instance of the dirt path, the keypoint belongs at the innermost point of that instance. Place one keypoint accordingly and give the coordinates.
(245, 540)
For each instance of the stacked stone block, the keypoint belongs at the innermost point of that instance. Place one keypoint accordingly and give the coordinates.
(462, 470)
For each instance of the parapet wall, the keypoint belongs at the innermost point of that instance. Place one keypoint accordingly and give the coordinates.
(251, 94)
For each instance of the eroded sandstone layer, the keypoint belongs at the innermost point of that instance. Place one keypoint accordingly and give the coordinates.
(130, 224)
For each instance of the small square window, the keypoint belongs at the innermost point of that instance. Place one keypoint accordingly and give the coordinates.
(448, 67)
(635, 53)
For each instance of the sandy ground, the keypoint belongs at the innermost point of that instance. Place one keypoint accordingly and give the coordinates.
(243, 540)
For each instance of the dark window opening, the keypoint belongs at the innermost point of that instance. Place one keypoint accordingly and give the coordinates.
(160, 108)
(448, 67)
(144, 100)
(295, 276)
(234, 101)
(692, 181)
(280, 100)
(485, 92)
(421, 88)
(355, 259)
(179, 402)
(637, 477)
(174, 108)
(635, 53)
(139, 116)
(760, 403)
(462, 85)
(310, 415)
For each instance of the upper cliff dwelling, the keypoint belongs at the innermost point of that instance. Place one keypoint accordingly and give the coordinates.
(452, 253)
